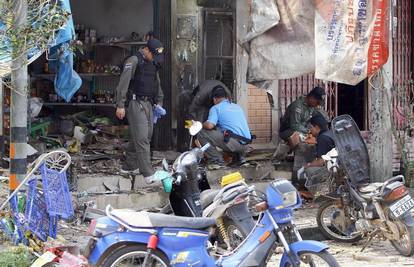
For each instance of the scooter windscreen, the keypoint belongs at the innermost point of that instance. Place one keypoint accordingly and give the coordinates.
(286, 194)
(185, 159)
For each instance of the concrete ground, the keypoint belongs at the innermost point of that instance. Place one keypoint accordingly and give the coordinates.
(378, 254)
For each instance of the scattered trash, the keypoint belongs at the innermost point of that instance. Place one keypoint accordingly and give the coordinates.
(74, 146)
(44, 259)
(79, 135)
(65, 256)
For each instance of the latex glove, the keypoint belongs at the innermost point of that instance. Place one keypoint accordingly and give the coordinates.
(120, 113)
(300, 173)
(158, 112)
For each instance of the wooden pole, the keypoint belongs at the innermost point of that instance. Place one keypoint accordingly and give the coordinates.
(18, 105)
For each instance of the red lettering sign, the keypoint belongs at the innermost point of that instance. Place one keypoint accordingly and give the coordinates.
(378, 49)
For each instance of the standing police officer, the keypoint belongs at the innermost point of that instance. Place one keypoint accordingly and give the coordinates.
(139, 89)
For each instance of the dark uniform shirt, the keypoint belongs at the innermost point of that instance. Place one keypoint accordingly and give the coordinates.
(297, 115)
(128, 72)
(325, 143)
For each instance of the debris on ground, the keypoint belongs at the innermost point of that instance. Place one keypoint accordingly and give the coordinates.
(68, 256)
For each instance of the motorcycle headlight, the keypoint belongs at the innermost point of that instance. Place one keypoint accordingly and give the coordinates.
(290, 198)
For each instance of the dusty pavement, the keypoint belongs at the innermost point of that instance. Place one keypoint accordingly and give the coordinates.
(378, 254)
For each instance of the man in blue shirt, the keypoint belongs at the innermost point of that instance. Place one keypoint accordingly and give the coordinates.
(226, 128)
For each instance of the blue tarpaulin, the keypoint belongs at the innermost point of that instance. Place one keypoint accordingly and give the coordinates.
(67, 81)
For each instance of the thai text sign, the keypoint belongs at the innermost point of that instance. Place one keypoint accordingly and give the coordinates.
(351, 39)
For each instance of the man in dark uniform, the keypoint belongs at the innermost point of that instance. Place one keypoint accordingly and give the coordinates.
(293, 124)
(316, 169)
(140, 86)
(293, 127)
(202, 101)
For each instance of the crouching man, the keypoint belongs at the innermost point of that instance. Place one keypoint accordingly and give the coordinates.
(316, 169)
(226, 128)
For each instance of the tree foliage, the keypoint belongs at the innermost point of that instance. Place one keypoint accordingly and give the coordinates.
(44, 18)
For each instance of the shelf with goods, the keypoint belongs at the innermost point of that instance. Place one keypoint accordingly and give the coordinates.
(51, 76)
(98, 89)
(99, 66)
(120, 44)
(79, 104)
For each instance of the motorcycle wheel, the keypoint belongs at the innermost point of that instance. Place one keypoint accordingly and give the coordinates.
(316, 259)
(134, 255)
(235, 233)
(405, 245)
(328, 229)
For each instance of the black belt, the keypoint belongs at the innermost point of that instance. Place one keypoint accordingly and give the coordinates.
(243, 140)
(142, 98)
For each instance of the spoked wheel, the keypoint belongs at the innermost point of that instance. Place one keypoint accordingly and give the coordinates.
(316, 259)
(405, 244)
(134, 255)
(57, 160)
(334, 224)
(236, 235)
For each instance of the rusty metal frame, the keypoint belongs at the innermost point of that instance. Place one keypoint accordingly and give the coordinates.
(402, 52)
(290, 89)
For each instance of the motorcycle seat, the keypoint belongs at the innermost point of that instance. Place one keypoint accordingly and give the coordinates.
(370, 189)
(207, 197)
(145, 219)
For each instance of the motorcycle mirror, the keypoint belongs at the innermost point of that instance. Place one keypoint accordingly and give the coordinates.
(165, 165)
(195, 128)
(326, 157)
(333, 153)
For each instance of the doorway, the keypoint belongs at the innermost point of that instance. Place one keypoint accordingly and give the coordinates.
(352, 100)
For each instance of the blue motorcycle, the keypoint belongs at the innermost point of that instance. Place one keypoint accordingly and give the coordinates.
(125, 238)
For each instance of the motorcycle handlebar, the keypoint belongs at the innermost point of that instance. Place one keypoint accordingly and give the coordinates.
(205, 147)
(178, 179)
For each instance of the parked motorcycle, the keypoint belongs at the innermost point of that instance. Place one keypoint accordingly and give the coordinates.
(191, 196)
(153, 239)
(353, 207)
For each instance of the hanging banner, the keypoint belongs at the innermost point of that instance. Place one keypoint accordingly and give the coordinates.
(264, 15)
(287, 50)
(351, 39)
